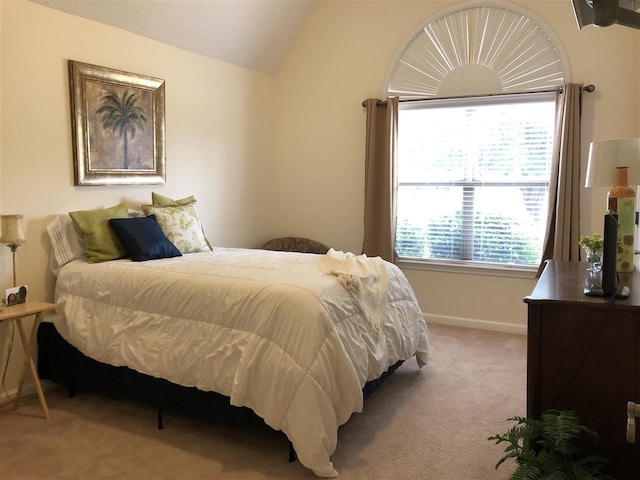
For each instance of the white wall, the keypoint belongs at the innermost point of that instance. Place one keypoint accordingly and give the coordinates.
(219, 136)
(341, 57)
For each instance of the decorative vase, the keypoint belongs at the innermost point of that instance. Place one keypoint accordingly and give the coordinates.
(593, 280)
(594, 257)
(621, 200)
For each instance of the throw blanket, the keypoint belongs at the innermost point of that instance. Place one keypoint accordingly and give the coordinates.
(364, 278)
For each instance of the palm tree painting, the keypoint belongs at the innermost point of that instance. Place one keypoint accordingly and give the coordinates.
(122, 116)
(118, 126)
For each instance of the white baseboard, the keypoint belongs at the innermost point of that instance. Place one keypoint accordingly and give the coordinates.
(475, 323)
(28, 390)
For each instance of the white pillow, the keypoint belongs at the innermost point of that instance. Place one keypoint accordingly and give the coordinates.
(66, 243)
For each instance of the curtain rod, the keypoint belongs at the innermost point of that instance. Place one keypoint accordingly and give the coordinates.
(587, 88)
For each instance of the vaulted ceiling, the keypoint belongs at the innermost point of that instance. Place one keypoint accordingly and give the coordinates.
(255, 34)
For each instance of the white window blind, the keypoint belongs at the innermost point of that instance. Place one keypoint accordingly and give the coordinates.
(473, 178)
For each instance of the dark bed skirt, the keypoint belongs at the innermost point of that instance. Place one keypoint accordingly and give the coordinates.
(60, 362)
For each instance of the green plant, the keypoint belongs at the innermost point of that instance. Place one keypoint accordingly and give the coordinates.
(503, 240)
(410, 239)
(545, 449)
(593, 242)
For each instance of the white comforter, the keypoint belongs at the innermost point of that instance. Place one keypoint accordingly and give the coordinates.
(289, 335)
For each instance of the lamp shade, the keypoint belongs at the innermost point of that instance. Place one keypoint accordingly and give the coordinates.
(606, 156)
(12, 231)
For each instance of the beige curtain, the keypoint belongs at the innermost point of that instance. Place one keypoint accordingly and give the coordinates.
(563, 227)
(380, 179)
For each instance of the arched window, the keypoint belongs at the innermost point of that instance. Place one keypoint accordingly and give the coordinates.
(478, 49)
(478, 86)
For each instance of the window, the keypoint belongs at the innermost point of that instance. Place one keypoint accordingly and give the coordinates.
(473, 172)
(473, 178)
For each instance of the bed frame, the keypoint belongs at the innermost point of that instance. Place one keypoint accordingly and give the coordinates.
(62, 363)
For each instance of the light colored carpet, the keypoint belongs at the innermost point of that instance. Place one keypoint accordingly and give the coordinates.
(431, 424)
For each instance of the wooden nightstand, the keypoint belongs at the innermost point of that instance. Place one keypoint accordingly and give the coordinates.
(16, 313)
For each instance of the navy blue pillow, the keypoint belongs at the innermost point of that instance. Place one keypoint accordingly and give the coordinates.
(143, 239)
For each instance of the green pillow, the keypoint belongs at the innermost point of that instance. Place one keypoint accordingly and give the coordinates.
(181, 225)
(161, 200)
(101, 243)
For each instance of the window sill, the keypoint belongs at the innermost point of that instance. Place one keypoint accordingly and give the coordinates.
(512, 271)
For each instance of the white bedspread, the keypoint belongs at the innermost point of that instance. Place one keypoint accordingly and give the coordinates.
(274, 331)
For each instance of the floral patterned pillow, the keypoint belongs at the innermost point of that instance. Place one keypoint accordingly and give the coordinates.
(181, 225)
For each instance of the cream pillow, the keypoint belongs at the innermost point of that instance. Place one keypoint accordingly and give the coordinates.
(181, 225)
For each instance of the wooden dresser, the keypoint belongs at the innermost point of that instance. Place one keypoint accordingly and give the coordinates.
(583, 354)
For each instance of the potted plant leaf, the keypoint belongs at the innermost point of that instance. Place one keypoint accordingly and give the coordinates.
(545, 448)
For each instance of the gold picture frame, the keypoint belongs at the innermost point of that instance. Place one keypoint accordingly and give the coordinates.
(118, 125)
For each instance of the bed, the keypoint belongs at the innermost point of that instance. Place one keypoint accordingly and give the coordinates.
(294, 337)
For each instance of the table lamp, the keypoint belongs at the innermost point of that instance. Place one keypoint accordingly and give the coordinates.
(616, 164)
(12, 233)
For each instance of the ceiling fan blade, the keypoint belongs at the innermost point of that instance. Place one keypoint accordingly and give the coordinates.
(603, 13)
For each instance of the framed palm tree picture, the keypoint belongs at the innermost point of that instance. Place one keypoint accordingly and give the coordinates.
(118, 126)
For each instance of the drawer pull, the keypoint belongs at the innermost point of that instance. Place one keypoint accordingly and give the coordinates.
(633, 411)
